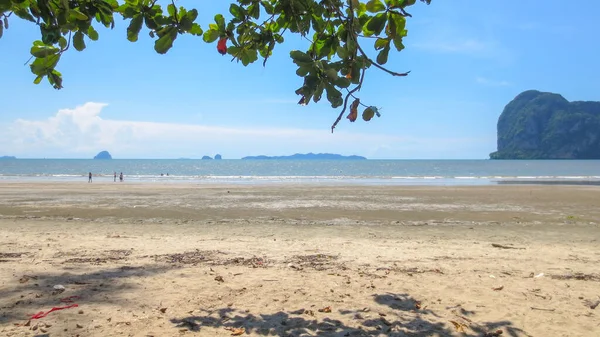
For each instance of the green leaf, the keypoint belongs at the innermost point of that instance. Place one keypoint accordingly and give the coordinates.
(303, 71)
(41, 51)
(301, 57)
(382, 57)
(381, 43)
(78, 15)
(62, 42)
(5, 5)
(397, 24)
(268, 7)
(368, 114)
(196, 30)
(187, 21)
(92, 33)
(342, 52)
(334, 96)
(220, 20)
(1, 29)
(398, 44)
(332, 74)
(377, 23)
(211, 36)
(165, 42)
(171, 9)
(22, 13)
(50, 34)
(342, 82)
(78, 42)
(150, 22)
(38, 79)
(254, 10)
(318, 93)
(134, 27)
(55, 78)
(236, 11)
(375, 6)
(249, 56)
(41, 66)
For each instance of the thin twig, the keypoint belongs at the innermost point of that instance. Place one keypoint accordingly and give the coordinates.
(542, 309)
(393, 73)
(357, 88)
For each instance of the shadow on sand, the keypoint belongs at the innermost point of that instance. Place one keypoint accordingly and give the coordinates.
(37, 292)
(408, 319)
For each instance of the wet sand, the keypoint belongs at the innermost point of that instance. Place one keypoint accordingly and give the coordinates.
(293, 260)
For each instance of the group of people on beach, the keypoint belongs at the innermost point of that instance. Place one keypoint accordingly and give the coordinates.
(114, 176)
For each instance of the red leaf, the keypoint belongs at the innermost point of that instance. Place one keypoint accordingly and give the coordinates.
(353, 110)
(222, 46)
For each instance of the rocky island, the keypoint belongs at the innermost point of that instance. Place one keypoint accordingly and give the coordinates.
(543, 125)
(309, 156)
(8, 157)
(103, 155)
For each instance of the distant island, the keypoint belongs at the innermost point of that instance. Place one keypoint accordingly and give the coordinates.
(308, 156)
(206, 158)
(8, 157)
(218, 157)
(544, 125)
(103, 155)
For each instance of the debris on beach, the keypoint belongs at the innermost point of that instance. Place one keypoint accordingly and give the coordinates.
(496, 333)
(460, 327)
(592, 304)
(26, 278)
(219, 278)
(236, 331)
(326, 309)
(43, 314)
(309, 312)
(577, 276)
(497, 245)
(59, 288)
(498, 288)
(317, 262)
(191, 257)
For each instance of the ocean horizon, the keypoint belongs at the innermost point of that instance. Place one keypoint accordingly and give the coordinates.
(369, 172)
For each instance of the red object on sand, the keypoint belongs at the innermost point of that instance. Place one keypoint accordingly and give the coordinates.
(42, 314)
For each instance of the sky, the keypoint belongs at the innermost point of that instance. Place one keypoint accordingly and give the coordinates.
(467, 59)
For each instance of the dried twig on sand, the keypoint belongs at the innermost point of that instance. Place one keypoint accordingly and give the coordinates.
(497, 245)
(542, 309)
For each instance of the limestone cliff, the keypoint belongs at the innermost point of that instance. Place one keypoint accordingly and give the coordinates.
(542, 125)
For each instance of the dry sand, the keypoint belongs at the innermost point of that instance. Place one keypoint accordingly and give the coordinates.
(181, 260)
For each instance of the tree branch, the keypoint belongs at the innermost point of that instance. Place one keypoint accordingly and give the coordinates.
(350, 93)
(393, 73)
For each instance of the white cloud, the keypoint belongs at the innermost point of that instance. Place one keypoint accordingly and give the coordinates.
(489, 82)
(82, 132)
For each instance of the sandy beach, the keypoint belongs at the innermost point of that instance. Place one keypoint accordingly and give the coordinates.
(293, 260)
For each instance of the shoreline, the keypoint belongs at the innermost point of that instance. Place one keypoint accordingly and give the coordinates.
(308, 180)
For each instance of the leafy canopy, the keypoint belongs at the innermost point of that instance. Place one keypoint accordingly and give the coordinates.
(336, 32)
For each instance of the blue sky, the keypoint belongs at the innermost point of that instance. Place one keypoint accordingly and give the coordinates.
(467, 59)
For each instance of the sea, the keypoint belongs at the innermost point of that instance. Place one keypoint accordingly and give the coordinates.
(331, 172)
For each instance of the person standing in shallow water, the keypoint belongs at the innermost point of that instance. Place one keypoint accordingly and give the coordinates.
(90, 177)
(115, 177)
(121, 177)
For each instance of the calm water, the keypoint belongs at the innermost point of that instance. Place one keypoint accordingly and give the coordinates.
(386, 172)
